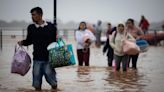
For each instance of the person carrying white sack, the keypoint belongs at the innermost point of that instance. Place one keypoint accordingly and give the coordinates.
(116, 42)
(137, 34)
(84, 38)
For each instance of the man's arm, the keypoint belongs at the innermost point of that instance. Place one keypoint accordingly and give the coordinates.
(55, 33)
(28, 40)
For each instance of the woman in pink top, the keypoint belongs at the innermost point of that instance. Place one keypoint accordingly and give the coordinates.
(136, 33)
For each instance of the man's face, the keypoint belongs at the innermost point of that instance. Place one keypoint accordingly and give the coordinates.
(36, 17)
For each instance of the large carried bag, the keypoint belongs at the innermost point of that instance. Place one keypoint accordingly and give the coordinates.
(72, 57)
(61, 54)
(130, 48)
(143, 44)
(21, 61)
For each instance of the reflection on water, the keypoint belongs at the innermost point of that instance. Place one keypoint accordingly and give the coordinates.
(104, 79)
(83, 74)
(110, 80)
(131, 81)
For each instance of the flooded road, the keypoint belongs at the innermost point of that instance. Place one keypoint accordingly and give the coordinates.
(97, 78)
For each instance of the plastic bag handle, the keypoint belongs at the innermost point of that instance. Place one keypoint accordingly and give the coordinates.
(17, 47)
(59, 41)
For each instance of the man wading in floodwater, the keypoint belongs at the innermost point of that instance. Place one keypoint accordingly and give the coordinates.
(41, 34)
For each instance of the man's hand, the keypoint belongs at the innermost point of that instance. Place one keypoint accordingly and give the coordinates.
(20, 43)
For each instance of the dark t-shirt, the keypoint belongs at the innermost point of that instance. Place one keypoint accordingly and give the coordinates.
(40, 37)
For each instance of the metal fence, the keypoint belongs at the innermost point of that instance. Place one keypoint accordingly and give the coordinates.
(22, 32)
(65, 33)
(1, 39)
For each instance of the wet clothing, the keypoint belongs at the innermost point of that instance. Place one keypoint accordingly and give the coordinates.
(119, 59)
(41, 68)
(134, 61)
(83, 57)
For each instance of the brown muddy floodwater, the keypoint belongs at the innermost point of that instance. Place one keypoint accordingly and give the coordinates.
(97, 78)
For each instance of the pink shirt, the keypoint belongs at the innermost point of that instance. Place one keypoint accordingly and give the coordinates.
(135, 32)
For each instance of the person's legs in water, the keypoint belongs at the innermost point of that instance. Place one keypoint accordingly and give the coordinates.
(117, 61)
(86, 56)
(80, 57)
(110, 55)
(37, 75)
(98, 41)
(110, 62)
(134, 61)
(129, 59)
(125, 62)
(50, 75)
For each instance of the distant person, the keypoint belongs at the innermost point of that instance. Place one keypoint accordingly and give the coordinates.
(136, 33)
(144, 24)
(84, 38)
(107, 48)
(41, 34)
(90, 27)
(94, 27)
(98, 31)
(116, 43)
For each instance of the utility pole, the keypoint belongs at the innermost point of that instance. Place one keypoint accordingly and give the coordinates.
(1, 42)
(55, 19)
(55, 13)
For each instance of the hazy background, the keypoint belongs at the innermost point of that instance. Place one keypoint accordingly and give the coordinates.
(70, 12)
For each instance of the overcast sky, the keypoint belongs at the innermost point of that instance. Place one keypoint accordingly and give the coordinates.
(85, 10)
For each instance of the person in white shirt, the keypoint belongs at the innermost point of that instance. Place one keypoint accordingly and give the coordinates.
(116, 42)
(84, 38)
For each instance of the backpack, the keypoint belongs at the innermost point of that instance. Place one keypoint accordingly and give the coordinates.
(114, 37)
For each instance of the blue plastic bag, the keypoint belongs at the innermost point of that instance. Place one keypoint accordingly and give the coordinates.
(143, 44)
(72, 57)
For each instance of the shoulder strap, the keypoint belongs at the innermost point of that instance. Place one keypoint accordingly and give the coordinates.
(126, 35)
(114, 36)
